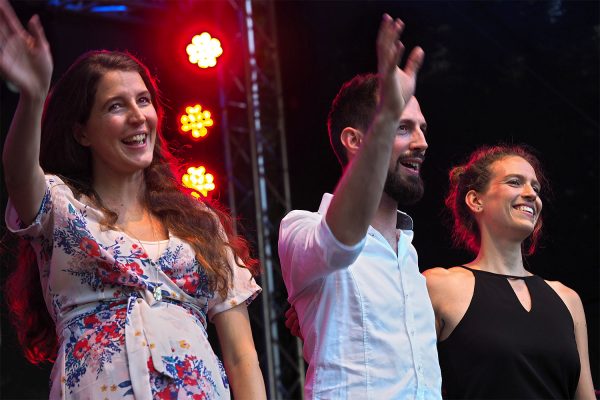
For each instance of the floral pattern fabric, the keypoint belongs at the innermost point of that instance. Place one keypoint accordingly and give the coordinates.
(116, 340)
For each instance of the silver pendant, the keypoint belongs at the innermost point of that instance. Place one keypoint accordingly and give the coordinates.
(157, 293)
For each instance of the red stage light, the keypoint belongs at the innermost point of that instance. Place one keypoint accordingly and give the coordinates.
(204, 50)
(199, 181)
(196, 121)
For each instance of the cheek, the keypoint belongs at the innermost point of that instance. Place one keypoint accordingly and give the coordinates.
(151, 116)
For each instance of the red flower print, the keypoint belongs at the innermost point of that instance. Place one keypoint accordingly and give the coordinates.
(190, 283)
(150, 365)
(81, 347)
(90, 247)
(90, 321)
(135, 268)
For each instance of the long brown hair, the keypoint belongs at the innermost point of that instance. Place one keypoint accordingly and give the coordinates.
(202, 226)
(475, 174)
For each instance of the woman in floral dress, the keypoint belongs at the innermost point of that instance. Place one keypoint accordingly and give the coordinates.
(129, 267)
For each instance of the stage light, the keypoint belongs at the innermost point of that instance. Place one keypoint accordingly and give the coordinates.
(199, 181)
(204, 50)
(195, 120)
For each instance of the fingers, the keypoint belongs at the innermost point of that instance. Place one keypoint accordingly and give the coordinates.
(289, 312)
(290, 318)
(415, 61)
(37, 31)
(9, 18)
(389, 48)
(291, 322)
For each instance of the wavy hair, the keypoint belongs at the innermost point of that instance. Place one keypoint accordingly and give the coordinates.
(475, 174)
(208, 229)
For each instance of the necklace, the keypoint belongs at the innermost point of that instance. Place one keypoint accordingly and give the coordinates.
(156, 291)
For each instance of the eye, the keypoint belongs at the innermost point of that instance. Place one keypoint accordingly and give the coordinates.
(537, 189)
(144, 100)
(403, 130)
(514, 182)
(115, 107)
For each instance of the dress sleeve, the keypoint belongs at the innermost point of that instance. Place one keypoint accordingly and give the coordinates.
(243, 289)
(41, 225)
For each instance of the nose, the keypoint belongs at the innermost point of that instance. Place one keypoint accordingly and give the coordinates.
(529, 192)
(136, 116)
(418, 141)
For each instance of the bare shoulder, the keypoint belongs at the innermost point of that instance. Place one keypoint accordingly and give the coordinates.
(569, 297)
(446, 279)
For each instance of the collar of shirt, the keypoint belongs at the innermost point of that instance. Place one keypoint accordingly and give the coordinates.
(404, 221)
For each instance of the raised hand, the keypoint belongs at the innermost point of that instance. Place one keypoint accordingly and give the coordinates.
(397, 85)
(25, 58)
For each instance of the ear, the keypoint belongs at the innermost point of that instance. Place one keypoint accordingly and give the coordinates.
(474, 201)
(80, 136)
(351, 139)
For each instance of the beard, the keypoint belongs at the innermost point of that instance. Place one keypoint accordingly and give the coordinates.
(405, 190)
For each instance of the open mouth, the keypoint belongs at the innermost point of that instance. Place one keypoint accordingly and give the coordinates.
(526, 209)
(412, 166)
(135, 140)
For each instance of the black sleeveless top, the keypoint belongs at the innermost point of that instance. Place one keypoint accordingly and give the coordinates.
(499, 350)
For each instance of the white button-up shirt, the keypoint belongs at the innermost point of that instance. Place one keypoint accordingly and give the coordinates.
(364, 311)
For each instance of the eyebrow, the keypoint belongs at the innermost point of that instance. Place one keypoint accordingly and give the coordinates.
(520, 177)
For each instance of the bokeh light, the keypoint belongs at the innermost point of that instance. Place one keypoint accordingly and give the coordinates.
(199, 181)
(204, 50)
(196, 121)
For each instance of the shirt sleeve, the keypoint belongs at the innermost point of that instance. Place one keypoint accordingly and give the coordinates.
(243, 289)
(41, 225)
(309, 251)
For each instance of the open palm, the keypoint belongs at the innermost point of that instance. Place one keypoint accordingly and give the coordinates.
(25, 58)
(397, 85)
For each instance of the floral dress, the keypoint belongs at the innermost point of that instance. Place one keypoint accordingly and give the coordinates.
(128, 327)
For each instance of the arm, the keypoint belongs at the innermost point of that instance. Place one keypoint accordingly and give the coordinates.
(26, 62)
(358, 193)
(239, 354)
(434, 278)
(585, 387)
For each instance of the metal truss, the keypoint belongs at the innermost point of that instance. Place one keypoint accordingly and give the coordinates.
(252, 125)
(257, 172)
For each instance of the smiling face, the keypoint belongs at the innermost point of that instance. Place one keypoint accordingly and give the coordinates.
(510, 206)
(403, 182)
(121, 129)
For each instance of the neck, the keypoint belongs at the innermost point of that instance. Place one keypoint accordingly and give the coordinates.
(122, 194)
(499, 256)
(386, 216)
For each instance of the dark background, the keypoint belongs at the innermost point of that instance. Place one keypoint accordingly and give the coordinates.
(517, 72)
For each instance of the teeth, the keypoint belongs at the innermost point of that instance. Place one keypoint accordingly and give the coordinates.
(414, 166)
(138, 139)
(526, 209)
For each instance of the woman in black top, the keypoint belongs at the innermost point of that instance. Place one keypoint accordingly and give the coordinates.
(503, 332)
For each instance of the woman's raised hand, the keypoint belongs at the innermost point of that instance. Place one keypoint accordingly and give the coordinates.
(25, 58)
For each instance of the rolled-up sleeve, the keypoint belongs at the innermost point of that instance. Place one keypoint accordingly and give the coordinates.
(308, 251)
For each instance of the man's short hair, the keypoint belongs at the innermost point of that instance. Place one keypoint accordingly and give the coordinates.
(354, 106)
